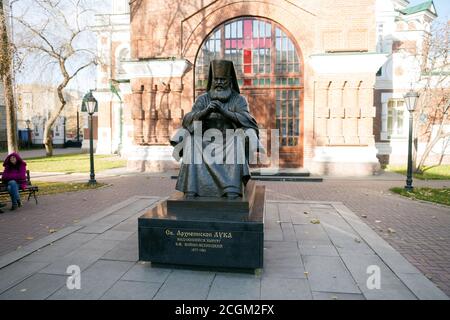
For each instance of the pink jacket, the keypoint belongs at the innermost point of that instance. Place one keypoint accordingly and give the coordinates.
(15, 172)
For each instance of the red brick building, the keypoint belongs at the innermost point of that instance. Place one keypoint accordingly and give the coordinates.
(307, 68)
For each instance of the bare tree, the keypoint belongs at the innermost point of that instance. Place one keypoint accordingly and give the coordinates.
(57, 37)
(433, 111)
(6, 54)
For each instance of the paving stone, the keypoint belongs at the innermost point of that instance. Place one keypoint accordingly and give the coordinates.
(115, 235)
(18, 271)
(397, 262)
(59, 248)
(83, 258)
(282, 260)
(390, 285)
(317, 250)
(186, 285)
(317, 211)
(322, 206)
(146, 273)
(348, 242)
(337, 296)
(285, 289)
(390, 291)
(120, 213)
(128, 211)
(311, 234)
(285, 216)
(124, 251)
(272, 228)
(117, 217)
(329, 274)
(37, 287)
(130, 290)
(100, 244)
(422, 287)
(288, 232)
(36, 245)
(95, 281)
(272, 213)
(109, 210)
(295, 213)
(96, 228)
(235, 287)
(273, 232)
(129, 225)
(114, 219)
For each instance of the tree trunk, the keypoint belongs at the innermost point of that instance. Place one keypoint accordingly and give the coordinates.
(6, 77)
(430, 147)
(48, 139)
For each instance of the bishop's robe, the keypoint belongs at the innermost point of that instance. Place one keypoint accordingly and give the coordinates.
(208, 179)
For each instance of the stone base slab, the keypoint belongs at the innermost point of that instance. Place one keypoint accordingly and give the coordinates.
(169, 234)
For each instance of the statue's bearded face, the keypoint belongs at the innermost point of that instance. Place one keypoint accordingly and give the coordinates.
(221, 89)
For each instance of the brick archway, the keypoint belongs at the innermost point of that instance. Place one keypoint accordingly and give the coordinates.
(270, 75)
(294, 20)
(290, 16)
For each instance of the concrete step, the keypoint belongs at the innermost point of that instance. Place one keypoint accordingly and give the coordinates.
(287, 178)
(279, 178)
(281, 172)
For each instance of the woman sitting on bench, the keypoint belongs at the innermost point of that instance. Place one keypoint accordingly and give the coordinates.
(14, 175)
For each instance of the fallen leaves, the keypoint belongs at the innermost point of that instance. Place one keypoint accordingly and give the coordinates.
(390, 230)
(52, 230)
(315, 221)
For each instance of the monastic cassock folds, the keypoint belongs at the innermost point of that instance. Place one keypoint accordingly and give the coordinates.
(200, 173)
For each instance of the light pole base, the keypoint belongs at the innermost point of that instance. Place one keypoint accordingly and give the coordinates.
(409, 188)
(92, 182)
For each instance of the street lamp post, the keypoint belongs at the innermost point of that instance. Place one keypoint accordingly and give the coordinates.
(411, 98)
(28, 122)
(90, 105)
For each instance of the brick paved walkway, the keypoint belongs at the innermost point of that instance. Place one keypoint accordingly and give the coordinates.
(302, 261)
(422, 231)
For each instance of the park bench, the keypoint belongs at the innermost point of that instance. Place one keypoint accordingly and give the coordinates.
(30, 189)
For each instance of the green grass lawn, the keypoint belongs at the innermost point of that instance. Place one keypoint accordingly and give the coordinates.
(46, 188)
(436, 195)
(73, 163)
(429, 173)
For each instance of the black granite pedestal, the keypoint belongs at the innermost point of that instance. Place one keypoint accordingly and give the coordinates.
(205, 232)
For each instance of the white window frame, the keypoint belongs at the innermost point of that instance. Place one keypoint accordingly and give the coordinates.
(384, 134)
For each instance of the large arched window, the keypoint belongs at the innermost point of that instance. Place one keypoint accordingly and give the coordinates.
(265, 58)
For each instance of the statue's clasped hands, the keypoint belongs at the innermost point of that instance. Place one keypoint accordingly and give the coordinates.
(216, 106)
